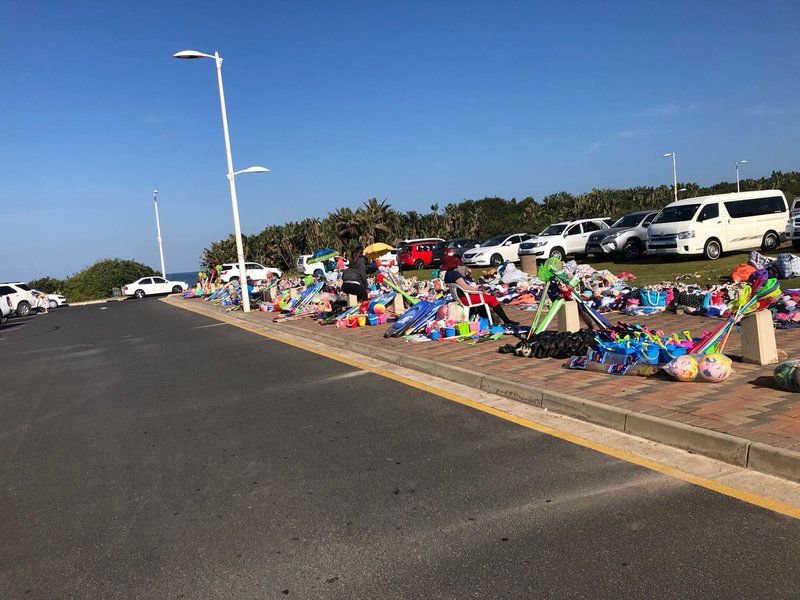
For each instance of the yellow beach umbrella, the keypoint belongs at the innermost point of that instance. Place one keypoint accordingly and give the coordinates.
(377, 250)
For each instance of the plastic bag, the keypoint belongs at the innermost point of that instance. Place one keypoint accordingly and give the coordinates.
(787, 375)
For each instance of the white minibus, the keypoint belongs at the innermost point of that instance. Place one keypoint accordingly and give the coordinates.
(711, 225)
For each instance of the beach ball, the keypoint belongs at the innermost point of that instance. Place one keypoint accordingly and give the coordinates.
(379, 309)
(682, 368)
(714, 367)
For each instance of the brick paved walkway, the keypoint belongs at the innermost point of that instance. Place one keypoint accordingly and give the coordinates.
(747, 405)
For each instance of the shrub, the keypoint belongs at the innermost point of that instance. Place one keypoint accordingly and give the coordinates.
(99, 280)
(48, 285)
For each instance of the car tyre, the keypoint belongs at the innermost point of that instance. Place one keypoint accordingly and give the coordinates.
(557, 252)
(419, 264)
(138, 294)
(770, 242)
(631, 250)
(176, 289)
(23, 309)
(319, 273)
(712, 250)
(796, 244)
(234, 279)
(52, 304)
(496, 260)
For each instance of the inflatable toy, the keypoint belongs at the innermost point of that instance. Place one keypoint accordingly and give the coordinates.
(714, 367)
(683, 368)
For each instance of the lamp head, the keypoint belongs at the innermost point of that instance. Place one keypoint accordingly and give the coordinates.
(187, 54)
(252, 170)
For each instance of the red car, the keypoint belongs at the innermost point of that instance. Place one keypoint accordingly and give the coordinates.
(416, 254)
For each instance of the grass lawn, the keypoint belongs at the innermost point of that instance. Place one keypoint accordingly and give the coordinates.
(649, 270)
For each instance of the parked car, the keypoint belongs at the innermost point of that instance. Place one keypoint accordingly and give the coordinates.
(387, 260)
(307, 264)
(562, 239)
(792, 230)
(454, 248)
(416, 240)
(23, 302)
(416, 254)
(55, 300)
(495, 251)
(152, 286)
(711, 225)
(5, 307)
(627, 237)
(254, 271)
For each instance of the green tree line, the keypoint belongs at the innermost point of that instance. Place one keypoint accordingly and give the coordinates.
(94, 282)
(346, 229)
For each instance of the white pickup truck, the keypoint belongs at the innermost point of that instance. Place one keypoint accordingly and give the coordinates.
(793, 225)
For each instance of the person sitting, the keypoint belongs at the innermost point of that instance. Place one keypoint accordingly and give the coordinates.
(457, 273)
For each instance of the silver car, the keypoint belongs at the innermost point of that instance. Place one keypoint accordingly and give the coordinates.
(626, 238)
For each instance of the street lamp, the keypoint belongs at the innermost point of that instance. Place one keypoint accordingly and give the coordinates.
(674, 172)
(683, 190)
(188, 54)
(158, 234)
(741, 162)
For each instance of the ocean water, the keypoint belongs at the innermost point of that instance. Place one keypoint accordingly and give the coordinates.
(190, 277)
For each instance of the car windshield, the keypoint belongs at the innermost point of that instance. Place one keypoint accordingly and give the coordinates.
(22, 286)
(676, 214)
(495, 241)
(629, 221)
(555, 229)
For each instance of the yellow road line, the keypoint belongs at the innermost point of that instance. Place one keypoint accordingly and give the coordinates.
(710, 484)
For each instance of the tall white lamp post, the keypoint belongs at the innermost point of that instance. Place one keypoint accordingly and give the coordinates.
(674, 172)
(237, 230)
(158, 234)
(741, 162)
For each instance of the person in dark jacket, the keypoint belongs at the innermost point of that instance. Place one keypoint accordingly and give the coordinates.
(354, 278)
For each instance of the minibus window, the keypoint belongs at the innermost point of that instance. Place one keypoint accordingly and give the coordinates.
(676, 214)
(710, 211)
(753, 207)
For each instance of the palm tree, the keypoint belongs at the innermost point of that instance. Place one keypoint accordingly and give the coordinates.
(377, 219)
(347, 225)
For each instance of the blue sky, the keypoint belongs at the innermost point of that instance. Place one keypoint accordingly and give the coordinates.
(413, 102)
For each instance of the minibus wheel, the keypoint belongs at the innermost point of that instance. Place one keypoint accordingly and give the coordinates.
(712, 250)
(770, 241)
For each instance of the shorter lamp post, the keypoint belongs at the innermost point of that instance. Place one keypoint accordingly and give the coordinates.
(674, 172)
(158, 235)
(740, 162)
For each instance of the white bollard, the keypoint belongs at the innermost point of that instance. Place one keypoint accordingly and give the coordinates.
(758, 339)
(568, 319)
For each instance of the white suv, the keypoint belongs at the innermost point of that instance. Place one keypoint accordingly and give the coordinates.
(23, 302)
(561, 239)
(254, 272)
(495, 251)
(5, 307)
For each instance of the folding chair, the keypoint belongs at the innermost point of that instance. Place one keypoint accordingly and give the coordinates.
(466, 298)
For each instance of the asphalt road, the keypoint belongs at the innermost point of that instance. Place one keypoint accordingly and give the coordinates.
(148, 452)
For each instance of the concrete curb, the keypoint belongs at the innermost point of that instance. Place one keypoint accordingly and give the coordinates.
(720, 446)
